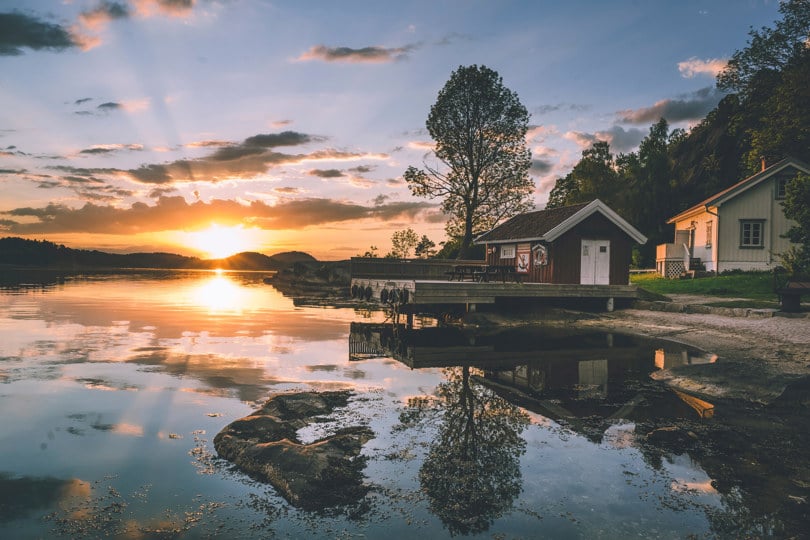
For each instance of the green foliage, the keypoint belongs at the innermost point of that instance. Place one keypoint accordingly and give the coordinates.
(371, 253)
(402, 243)
(768, 118)
(797, 208)
(479, 127)
(426, 248)
(769, 49)
(747, 285)
(635, 185)
(471, 474)
(594, 177)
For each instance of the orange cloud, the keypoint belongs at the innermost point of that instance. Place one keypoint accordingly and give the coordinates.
(695, 66)
(174, 213)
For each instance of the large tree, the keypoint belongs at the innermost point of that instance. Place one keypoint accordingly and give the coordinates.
(594, 177)
(479, 127)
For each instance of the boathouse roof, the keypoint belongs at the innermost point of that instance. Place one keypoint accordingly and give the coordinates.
(548, 225)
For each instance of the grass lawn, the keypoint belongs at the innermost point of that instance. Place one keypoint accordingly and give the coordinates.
(749, 285)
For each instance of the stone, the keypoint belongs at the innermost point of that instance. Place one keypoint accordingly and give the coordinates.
(314, 476)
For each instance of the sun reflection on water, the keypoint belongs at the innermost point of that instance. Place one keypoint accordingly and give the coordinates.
(221, 295)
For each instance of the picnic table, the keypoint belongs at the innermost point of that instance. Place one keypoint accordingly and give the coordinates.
(498, 271)
(484, 273)
(464, 272)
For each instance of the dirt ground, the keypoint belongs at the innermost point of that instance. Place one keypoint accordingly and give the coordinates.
(758, 354)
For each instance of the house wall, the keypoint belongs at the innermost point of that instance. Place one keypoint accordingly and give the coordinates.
(565, 257)
(757, 203)
(705, 247)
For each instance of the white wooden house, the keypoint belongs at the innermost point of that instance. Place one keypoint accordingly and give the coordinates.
(739, 228)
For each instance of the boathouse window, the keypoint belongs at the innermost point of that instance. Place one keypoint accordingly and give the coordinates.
(751, 233)
(508, 252)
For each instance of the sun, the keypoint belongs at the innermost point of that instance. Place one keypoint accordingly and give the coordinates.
(219, 242)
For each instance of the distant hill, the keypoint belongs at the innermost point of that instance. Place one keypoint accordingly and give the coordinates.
(250, 260)
(292, 257)
(41, 253)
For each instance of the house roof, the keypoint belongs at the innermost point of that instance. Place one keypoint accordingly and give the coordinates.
(548, 225)
(740, 187)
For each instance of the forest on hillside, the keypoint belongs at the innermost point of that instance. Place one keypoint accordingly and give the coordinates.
(764, 116)
(42, 253)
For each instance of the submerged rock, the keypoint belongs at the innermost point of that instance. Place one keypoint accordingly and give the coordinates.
(314, 476)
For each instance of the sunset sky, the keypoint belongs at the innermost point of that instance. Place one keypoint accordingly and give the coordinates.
(210, 127)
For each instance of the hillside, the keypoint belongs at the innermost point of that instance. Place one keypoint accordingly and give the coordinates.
(43, 254)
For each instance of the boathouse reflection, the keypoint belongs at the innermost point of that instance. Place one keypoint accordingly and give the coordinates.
(557, 373)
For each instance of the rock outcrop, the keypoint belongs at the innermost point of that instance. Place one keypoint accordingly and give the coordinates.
(313, 476)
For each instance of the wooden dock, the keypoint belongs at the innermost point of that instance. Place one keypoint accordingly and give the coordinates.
(409, 284)
(425, 292)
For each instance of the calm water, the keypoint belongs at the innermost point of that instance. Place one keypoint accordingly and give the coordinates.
(112, 389)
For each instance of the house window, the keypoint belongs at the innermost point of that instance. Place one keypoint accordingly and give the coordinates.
(709, 226)
(781, 183)
(508, 252)
(751, 233)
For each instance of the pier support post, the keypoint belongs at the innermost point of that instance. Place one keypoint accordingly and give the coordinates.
(609, 304)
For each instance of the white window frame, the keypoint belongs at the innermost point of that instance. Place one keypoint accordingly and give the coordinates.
(755, 230)
(507, 251)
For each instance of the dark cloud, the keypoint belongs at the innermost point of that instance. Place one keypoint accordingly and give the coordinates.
(540, 167)
(272, 140)
(232, 153)
(105, 149)
(82, 101)
(689, 107)
(326, 173)
(110, 106)
(173, 213)
(620, 139)
(363, 55)
(287, 190)
(18, 30)
(82, 180)
(105, 12)
(249, 159)
(362, 169)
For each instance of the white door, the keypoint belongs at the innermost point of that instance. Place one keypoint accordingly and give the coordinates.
(595, 262)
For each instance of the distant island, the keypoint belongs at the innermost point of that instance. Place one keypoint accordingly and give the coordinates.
(20, 252)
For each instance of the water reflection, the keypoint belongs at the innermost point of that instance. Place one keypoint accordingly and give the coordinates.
(123, 380)
(471, 474)
(221, 295)
(560, 374)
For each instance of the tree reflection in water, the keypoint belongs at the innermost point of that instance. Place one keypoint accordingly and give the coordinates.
(471, 474)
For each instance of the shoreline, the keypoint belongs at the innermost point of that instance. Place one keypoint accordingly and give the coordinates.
(759, 354)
